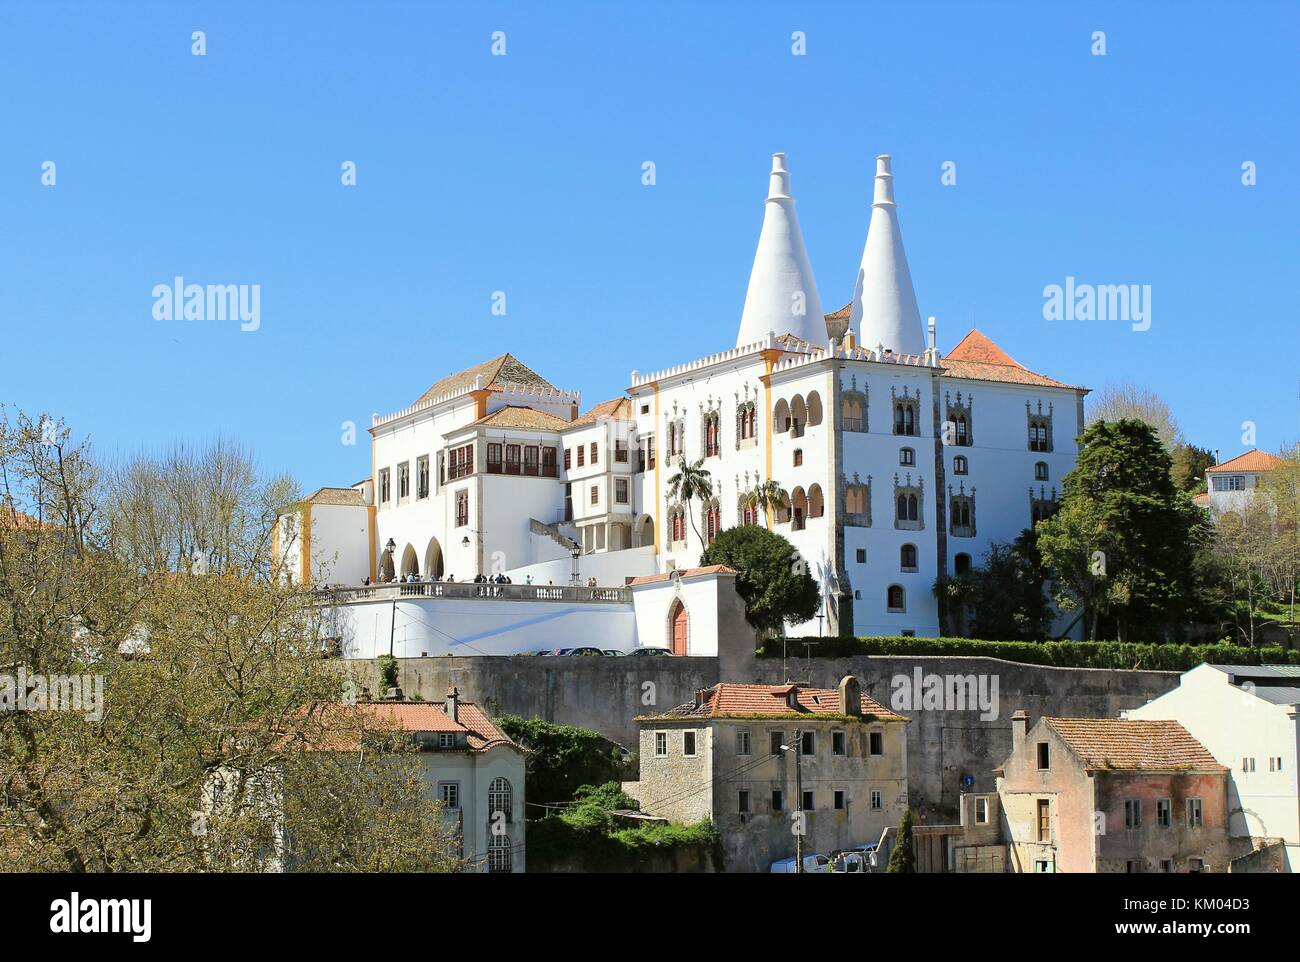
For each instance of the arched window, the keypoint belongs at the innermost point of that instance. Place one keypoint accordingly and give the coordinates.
(963, 430)
(896, 599)
(961, 563)
(855, 499)
(814, 409)
(853, 411)
(1040, 471)
(798, 509)
(816, 502)
(500, 855)
(746, 423)
(501, 798)
(907, 507)
(781, 417)
(712, 521)
(712, 434)
(907, 557)
(798, 416)
(960, 513)
(906, 457)
(905, 418)
(960, 465)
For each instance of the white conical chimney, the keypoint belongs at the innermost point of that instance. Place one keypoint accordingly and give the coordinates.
(884, 303)
(782, 295)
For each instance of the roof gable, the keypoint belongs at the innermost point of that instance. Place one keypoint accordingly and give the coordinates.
(504, 369)
(1252, 461)
(1133, 744)
(977, 358)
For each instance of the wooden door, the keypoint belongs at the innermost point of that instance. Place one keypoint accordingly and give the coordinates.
(679, 629)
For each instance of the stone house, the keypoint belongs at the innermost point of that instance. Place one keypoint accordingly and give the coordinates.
(1112, 795)
(758, 760)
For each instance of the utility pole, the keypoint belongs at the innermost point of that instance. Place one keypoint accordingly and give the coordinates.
(798, 801)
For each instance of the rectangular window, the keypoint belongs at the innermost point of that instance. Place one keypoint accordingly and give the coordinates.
(568, 458)
(837, 743)
(1044, 756)
(808, 802)
(1164, 812)
(461, 462)
(595, 452)
(742, 743)
(512, 459)
(981, 811)
(877, 743)
(1195, 813)
(548, 462)
(1133, 813)
(531, 460)
(778, 800)
(422, 476)
(839, 800)
(620, 490)
(862, 556)
(650, 451)
(1133, 866)
(446, 739)
(462, 508)
(742, 802)
(494, 459)
(449, 794)
(595, 494)
(620, 451)
(582, 455)
(808, 743)
(877, 800)
(403, 480)
(1248, 764)
(774, 742)
(384, 490)
(688, 744)
(1167, 865)
(1044, 820)
(661, 744)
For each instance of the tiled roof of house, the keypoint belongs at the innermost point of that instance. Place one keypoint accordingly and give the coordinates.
(518, 416)
(1132, 744)
(505, 369)
(684, 572)
(619, 408)
(842, 314)
(341, 496)
(1202, 499)
(727, 700)
(977, 358)
(413, 716)
(1252, 461)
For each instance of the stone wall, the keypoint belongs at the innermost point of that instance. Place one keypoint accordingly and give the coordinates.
(943, 746)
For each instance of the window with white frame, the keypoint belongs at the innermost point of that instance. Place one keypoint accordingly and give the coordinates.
(661, 744)
(742, 742)
(877, 800)
(449, 794)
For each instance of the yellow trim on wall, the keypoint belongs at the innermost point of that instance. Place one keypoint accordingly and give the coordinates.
(370, 529)
(305, 538)
(480, 401)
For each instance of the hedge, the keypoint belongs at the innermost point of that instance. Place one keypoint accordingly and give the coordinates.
(1061, 654)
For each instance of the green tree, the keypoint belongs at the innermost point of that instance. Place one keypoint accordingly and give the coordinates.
(771, 576)
(1124, 541)
(1006, 594)
(690, 482)
(1189, 467)
(902, 858)
(562, 759)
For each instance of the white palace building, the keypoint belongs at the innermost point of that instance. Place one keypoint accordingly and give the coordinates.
(901, 463)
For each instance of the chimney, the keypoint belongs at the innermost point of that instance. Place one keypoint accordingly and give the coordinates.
(1019, 730)
(453, 699)
(701, 696)
(930, 337)
(850, 696)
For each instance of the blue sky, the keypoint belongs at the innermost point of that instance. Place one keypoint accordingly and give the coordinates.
(522, 174)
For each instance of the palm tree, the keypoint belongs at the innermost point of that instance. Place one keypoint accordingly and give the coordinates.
(691, 481)
(769, 496)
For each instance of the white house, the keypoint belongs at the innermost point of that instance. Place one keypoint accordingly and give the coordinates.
(900, 463)
(1248, 717)
(1232, 484)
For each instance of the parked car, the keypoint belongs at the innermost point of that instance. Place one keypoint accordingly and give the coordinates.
(651, 652)
(854, 860)
(580, 652)
(820, 864)
(613, 652)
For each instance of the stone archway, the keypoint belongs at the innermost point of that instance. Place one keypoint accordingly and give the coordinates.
(433, 559)
(410, 563)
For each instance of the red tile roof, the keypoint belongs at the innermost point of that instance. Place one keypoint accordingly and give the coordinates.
(684, 572)
(727, 700)
(1134, 745)
(977, 358)
(519, 416)
(413, 716)
(1252, 461)
(619, 408)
